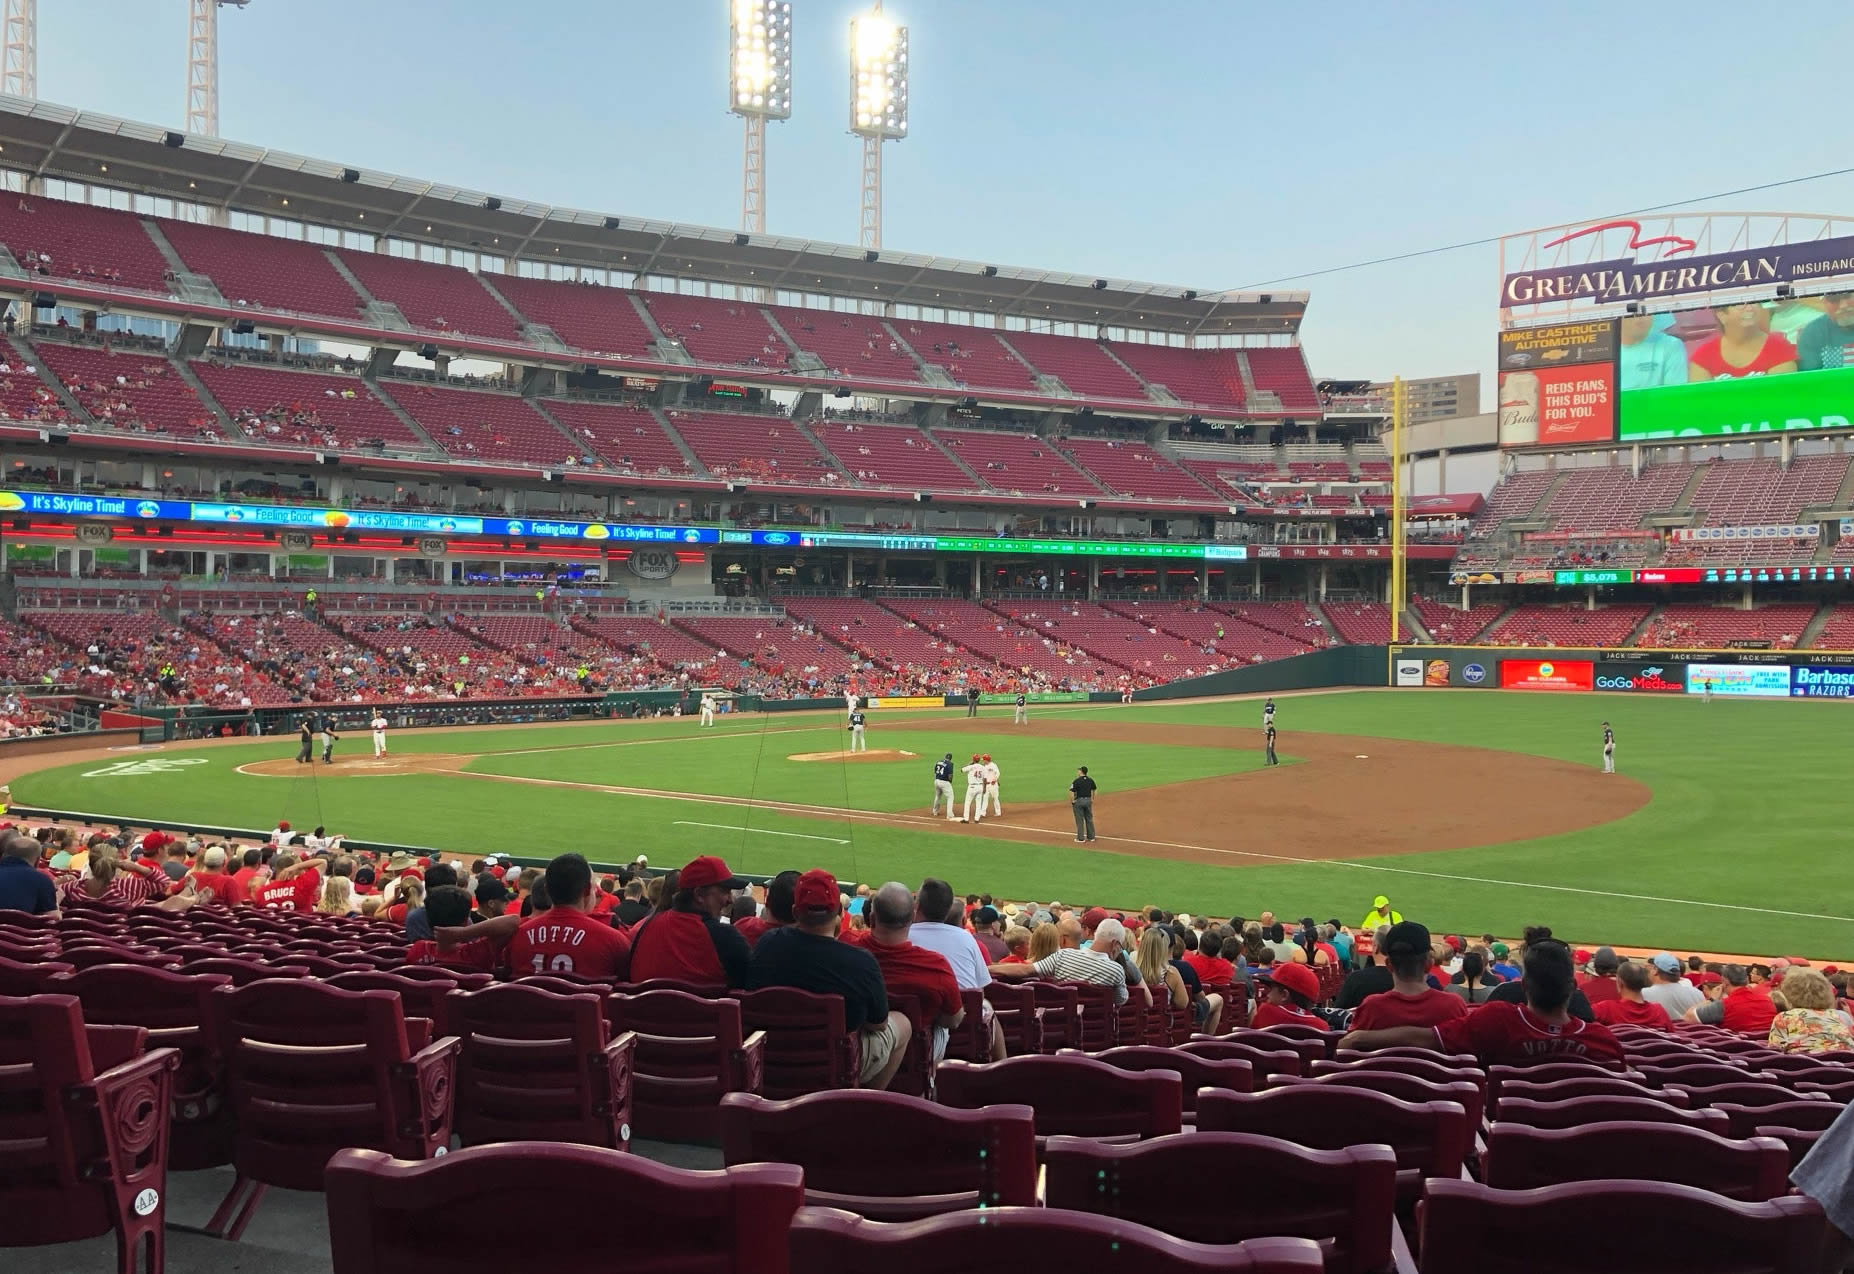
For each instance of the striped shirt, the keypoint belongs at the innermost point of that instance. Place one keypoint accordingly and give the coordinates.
(1084, 966)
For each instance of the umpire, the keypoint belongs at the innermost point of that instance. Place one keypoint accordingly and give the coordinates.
(308, 740)
(1268, 742)
(1081, 801)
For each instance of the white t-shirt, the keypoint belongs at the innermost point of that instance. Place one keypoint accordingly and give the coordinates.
(960, 948)
(1675, 997)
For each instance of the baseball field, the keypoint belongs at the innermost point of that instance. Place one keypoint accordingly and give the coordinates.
(1725, 829)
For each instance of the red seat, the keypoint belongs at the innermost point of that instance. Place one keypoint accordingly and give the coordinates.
(1180, 1185)
(690, 1054)
(1805, 1114)
(1100, 1017)
(1588, 1086)
(1263, 1062)
(540, 1066)
(970, 1041)
(1466, 1228)
(1396, 1084)
(457, 978)
(1797, 1142)
(89, 957)
(1578, 1111)
(933, 1159)
(1013, 1004)
(241, 972)
(1690, 1075)
(1308, 1050)
(1430, 1139)
(807, 1049)
(419, 997)
(312, 1069)
(387, 1216)
(21, 979)
(1072, 1096)
(1552, 1073)
(1522, 1158)
(85, 1147)
(1839, 1090)
(1043, 1238)
(1058, 1007)
(1752, 1094)
(1195, 1072)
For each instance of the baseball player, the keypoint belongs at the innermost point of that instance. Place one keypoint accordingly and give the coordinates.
(943, 786)
(991, 788)
(975, 790)
(1705, 689)
(1022, 715)
(1268, 712)
(857, 742)
(378, 725)
(708, 710)
(329, 739)
(1609, 749)
(1268, 744)
(1126, 694)
(853, 702)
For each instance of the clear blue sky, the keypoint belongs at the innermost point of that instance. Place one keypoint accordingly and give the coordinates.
(1206, 143)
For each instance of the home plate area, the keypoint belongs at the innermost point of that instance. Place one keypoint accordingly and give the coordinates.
(873, 754)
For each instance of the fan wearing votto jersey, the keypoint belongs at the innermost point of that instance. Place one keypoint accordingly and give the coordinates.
(943, 787)
(567, 937)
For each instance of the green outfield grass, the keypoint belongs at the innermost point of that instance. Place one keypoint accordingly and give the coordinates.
(1741, 848)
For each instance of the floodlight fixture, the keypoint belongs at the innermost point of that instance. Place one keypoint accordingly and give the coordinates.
(759, 88)
(878, 104)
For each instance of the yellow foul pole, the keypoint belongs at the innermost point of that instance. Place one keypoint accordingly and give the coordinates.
(1398, 570)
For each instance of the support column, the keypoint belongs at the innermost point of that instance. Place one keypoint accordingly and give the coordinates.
(978, 577)
(1590, 597)
(1442, 471)
(1324, 569)
(1464, 597)
(1094, 576)
(849, 570)
(1744, 598)
(1203, 581)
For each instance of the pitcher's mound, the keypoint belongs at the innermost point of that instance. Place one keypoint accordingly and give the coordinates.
(288, 767)
(873, 754)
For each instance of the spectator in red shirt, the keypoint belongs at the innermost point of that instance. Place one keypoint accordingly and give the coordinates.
(1599, 985)
(1211, 969)
(1291, 991)
(1411, 1001)
(1501, 1033)
(687, 941)
(211, 875)
(1629, 1008)
(456, 943)
(1742, 1007)
(567, 938)
(293, 886)
(1017, 943)
(906, 968)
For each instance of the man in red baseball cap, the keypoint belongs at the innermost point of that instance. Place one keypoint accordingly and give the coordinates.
(687, 941)
(807, 955)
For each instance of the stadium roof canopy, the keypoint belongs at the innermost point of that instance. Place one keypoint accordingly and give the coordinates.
(47, 140)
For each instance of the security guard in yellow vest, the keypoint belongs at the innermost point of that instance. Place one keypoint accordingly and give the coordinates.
(1381, 914)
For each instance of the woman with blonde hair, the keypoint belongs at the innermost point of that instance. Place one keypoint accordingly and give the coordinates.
(1153, 959)
(409, 895)
(1044, 942)
(1810, 1023)
(108, 878)
(337, 898)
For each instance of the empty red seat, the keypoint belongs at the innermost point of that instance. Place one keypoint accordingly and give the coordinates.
(1522, 1158)
(1804, 1114)
(1578, 1111)
(1752, 1094)
(387, 1216)
(420, 997)
(1073, 1096)
(690, 1053)
(1263, 1062)
(19, 978)
(1180, 1185)
(311, 1069)
(1195, 1072)
(933, 1159)
(85, 1145)
(1058, 1012)
(1044, 1238)
(1401, 1086)
(1466, 1228)
(1587, 1086)
(1687, 1076)
(807, 1047)
(241, 971)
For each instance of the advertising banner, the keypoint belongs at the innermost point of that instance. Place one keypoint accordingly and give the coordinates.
(1530, 348)
(1547, 674)
(75, 505)
(909, 701)
(1409, 672)
(1828, 681)
(1039, 696)
(1558, 384)
(1616, 281)
(1637, 676)
(1740, 680)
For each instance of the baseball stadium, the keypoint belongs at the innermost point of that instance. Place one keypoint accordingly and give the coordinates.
(513, 705)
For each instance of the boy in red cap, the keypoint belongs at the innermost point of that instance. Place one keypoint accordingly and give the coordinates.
(1291, 990)
(688, 942)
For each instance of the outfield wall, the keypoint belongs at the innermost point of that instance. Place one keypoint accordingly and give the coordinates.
(1340, 666)
(1742, 674)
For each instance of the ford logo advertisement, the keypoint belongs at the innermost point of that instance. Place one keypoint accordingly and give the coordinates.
(776, 537)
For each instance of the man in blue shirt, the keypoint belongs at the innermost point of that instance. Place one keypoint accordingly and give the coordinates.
(1829, 341)
(23, 887)
(1649, 358)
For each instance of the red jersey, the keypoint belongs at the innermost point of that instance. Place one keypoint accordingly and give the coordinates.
(227, 891)
(1505, 1034)
(675, 944)
(603, 904)
(750, 928)
(1632, 1013)
(1391, 1008)
(1286, 1015)
(300, 892)
(1210, 970)
(244, 876)
(1749, 1010)
(567, 940)
(479, 955)
(1775, 353)
(911, 970)
(1598, 990)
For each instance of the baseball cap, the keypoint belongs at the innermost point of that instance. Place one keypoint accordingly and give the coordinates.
(1297, 978)
(1380, 902)
(1499, 949)
(1454, 943)
(975, 756)
(284, 826)
(1092, 918)
(1830, 968)
(1406, 937)
(985, 916)
(1605, 960)
(986, 757)
(640, 861)
(491, 889)
(1582, 956)
(816, 889)
(1666, 963)
(949, 756)
(498, 871)
(708, 870)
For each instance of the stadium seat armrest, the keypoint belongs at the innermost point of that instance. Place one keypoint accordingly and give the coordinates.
(617, 1060)
(133, 1103)
(112, 1046)
(432, 1074)
(746, 1067)
(1403, 1261)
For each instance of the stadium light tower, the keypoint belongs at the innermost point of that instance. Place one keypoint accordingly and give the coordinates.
(878, 104)
(759, 88)
(19, 73)
(203, 66)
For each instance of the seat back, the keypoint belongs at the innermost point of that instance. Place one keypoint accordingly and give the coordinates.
(1402, 1087)
(1420, 1068)
(1586, 1086)
(1522, 1158)
(18, 978)
(914, 1077)
(934, 1158)
(1839, 1089)
(1577, 1111)
(1058, 1007)
(444, 973)
(1014, 1006)
(1467, 1228)
(1263, 1062)
(844, 1243)
(240, 971)
(970, 1041)
(1100, 1017)
(172, 1008)
(391, 1217)
(690, 1052)
(1180, 1185)
(1279, 1040)
(807, 1049)
(1431, 1138)
(1688, 1075)
(1803, 1114)
(539, 1066)
(1753, 1094)
(418, 997)
(1072, 1096)
(311, 1069)
(1195, 1072)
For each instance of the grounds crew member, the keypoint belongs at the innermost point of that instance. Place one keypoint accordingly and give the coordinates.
(1268, 744)
(943, 786)
(857, 742)
(1380, 914)
(1081, 803)
(975, 790)
(991, 787)
(1022, 716)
